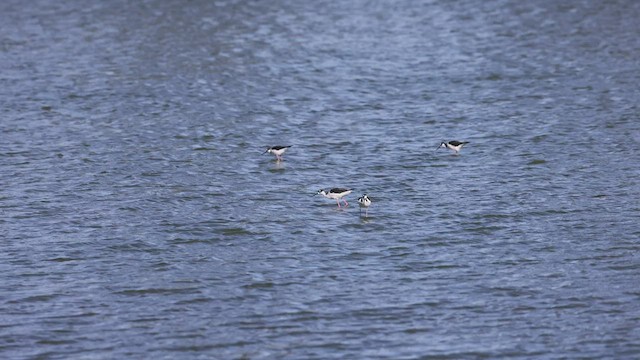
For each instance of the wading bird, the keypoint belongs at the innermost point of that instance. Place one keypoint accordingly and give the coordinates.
(277, 151)
(453, 145)
(336, 194)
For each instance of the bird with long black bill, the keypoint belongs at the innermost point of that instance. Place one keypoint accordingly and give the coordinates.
(277, 150)
(454, 145)
(364, 202)
(336, 194)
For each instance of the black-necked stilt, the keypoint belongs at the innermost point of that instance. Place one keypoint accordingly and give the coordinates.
(277, 151)
(364, 202)
(337, 194)
(453, 145)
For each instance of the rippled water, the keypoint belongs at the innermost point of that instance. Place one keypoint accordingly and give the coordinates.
(140, 220)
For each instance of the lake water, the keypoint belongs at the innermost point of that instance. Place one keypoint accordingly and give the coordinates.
(139, 219)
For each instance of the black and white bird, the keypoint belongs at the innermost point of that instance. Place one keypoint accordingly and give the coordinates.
(277, 150)
(453, 145)
(364, 202)
(336, 194)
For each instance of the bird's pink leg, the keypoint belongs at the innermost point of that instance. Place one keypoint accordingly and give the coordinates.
(345, 202)
(338, 201)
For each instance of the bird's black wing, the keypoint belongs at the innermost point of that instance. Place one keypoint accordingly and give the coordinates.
(338, 190)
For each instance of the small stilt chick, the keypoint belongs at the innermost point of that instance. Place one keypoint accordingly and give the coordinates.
(364, 202)
(336, 194)
(277, 151)
(453, 145)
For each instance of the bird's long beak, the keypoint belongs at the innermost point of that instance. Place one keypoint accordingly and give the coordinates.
(439, 146)
(266, 151)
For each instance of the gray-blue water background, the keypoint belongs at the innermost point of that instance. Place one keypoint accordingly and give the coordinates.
(138, 218)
